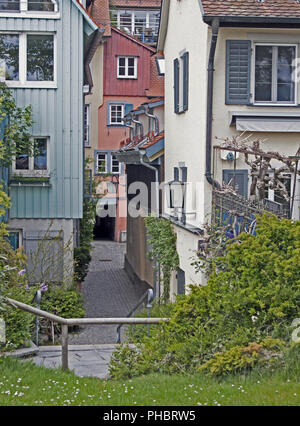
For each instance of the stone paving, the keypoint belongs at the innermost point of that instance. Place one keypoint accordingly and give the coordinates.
(84, 360)
(108, 292)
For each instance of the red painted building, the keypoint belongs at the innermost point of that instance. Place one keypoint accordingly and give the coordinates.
(128, 74)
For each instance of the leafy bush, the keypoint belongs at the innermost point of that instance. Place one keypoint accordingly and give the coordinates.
(254, 294)
(61, 301)
(238, 359)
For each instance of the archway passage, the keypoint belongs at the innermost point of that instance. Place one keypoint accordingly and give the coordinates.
(104, 228)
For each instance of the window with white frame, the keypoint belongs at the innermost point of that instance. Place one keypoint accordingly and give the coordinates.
(116, 114)
(101, 166)
(36, 164)
(127, 67)
(275, 74)
(28, 6)
(27, 59)
(115, 165)
(87, 108)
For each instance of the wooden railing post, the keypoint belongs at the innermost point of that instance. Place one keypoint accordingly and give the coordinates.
(64, 347)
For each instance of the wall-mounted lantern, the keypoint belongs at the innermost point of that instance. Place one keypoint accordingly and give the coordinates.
(176, 194)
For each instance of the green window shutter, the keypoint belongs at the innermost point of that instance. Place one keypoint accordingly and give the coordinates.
(176, 86)
(238, 64)
(185, 81)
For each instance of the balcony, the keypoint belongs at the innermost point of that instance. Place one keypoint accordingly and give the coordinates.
(143, 25)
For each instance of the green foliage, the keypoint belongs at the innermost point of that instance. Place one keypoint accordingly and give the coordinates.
(19, 324)
(254, 294)
(64, 302)
(126, 363)
(17, 135)
(82, 254)
(162, 239)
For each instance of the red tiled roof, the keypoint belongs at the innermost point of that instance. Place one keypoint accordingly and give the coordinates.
(157, 85)
(252, 8)
(141, 142)
(136, 3)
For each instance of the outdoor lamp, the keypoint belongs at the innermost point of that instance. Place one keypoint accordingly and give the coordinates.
(176, 194)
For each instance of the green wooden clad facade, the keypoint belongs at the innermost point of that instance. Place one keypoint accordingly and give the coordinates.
(58, 115)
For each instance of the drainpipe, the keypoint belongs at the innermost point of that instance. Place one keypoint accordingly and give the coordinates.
(210, 86)
(139, 123)
(154, 117)
(156, 264)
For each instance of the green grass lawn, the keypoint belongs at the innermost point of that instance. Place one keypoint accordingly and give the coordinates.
(22, 383)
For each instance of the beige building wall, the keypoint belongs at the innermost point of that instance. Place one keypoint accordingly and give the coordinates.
(95, 99)
(284, 143)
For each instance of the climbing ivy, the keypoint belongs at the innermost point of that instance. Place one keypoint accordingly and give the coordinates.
(162, 239)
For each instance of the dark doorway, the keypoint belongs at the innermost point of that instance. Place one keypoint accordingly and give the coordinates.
(104, 228)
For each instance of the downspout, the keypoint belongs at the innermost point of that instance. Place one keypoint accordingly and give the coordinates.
(210, 85)
(155, 118)
(97, 37)
(139, 123)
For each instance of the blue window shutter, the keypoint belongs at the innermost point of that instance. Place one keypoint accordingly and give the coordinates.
(128, 108)
(185, 81)
(176, 86)
(238, 71)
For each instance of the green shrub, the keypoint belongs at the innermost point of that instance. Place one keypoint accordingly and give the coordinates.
(254, 294)
(124, 362)
(18, 324)
(82, 259)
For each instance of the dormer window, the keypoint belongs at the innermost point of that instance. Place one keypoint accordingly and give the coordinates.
(28, 6)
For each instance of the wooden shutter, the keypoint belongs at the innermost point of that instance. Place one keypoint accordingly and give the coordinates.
(185, 81)
(176, 86)
(238, 63)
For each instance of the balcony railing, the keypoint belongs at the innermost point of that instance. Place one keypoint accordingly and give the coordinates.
(145, 32)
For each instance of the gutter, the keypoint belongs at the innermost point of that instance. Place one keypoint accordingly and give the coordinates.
(97, 37)
(210, 87)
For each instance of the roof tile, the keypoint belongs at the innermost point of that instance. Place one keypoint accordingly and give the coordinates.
(252, 8)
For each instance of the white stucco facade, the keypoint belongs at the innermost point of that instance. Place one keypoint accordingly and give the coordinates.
(185, 133)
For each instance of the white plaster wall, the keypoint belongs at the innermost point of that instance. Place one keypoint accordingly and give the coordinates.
(185, 133)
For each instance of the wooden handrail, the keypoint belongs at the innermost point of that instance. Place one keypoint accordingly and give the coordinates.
(65, 323)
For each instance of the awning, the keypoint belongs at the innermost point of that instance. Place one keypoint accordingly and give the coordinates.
(268, 124)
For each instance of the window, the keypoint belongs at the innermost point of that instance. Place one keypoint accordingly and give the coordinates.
(101, 163)
(115, 165)
(9, 57)
(27, 59)
(275, 74)
(11, 5)
(125, 20)
(87, 141)
(127, 67)
(276, 195)
(40, 58)
(181, 83)
(41, 5)
(106, 162)
(28, 5)
(116, 114)
(33, 165)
